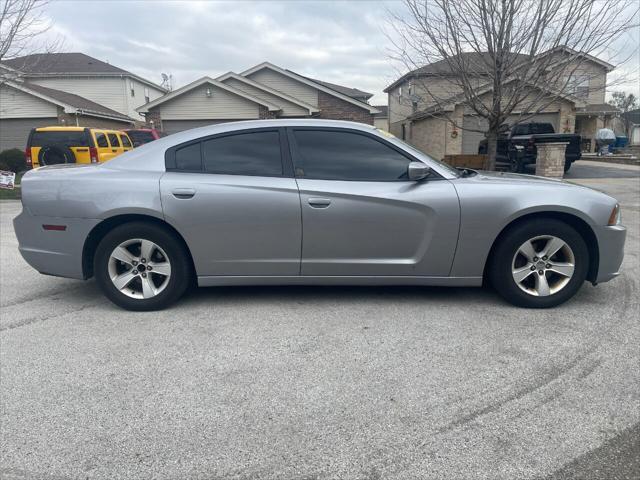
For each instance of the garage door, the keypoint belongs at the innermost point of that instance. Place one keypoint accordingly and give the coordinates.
(14, 131)
(175, 126)
(470, 140)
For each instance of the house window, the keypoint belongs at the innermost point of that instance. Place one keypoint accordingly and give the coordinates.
(133, 90)
(399, 93)
(579, 86)
(146, 94)
(404, 132)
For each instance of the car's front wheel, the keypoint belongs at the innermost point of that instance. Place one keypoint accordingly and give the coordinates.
(142, 266)
(539, 264)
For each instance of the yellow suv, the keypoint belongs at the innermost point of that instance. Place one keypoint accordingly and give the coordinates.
(55, 145)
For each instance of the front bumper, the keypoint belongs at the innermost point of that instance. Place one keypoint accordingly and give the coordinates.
(611, 244)
(53, 252)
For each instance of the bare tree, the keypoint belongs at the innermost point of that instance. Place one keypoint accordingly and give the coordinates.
(502, 58)
(22, 29)
(625, 103)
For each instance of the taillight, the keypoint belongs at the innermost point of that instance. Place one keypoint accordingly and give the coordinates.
(93, 154)
(27, 156)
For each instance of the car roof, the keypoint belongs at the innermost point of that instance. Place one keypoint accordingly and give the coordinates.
(60, 128)
(151, 156)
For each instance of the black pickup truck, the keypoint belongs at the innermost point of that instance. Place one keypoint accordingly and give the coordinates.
(517, 147)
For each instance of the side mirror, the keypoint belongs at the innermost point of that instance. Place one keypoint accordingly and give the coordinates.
(418, 171)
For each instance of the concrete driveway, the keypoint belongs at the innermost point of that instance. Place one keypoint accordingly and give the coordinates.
(315, 383)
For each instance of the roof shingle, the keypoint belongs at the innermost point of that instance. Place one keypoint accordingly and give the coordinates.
(66, 63)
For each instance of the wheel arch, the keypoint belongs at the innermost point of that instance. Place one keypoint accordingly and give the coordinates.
(101, 229)
(580, 225)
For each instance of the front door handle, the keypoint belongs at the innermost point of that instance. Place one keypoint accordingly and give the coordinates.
(319, 202)
(183, 193)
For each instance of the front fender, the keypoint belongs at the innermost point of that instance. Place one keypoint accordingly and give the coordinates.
(488, 207)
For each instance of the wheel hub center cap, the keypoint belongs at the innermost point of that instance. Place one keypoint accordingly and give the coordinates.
(541, 265)
(141, 267)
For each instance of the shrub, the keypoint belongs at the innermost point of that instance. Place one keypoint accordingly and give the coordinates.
(13, 160)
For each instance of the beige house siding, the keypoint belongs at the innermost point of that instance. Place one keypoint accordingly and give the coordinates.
(594, 72)
(110, 92)
(17, 104)
(138, 99)
(289, 109)
(195, 104)
(287, 85)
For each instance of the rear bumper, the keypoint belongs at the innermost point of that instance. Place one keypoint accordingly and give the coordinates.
(53, 252)
(611, 243)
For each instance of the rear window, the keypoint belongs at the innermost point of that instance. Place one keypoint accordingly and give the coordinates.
(75, 138)
(533, 129)
(140, 137)
(113, 140)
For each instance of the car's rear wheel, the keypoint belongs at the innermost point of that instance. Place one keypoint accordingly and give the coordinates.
(142, 266)
(539, 264)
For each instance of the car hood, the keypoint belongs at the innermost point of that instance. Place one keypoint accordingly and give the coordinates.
(517, 179)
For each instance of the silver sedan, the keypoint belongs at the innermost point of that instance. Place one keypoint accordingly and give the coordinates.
(294, 202)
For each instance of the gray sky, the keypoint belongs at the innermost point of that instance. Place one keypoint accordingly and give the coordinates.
(340, 42)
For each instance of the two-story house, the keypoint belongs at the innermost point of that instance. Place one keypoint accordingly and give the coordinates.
(263, 91)
(67, 89)
(426, 108)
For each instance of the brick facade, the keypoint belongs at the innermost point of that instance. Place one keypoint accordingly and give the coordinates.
(264, 113)
(155, 117)
(69, 120)
(333, 108)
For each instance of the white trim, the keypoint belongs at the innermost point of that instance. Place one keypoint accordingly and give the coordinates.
(267, 89)
(201, 81)
(311, 83)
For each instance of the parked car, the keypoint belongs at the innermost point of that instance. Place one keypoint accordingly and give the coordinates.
(140, 136)
(56, 145)
(310, 202)
(517, 147)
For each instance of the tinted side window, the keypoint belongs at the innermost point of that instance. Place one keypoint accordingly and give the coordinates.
(101, 140)
(113, 140)
(256, 153)
(189, 158)
(331, 155)
(125, 141)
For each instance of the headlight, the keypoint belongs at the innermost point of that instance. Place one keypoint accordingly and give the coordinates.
(616, 216)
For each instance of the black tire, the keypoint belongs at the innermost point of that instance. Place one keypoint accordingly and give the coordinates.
(181, 271)
(55, 155)
(515, 163)
(500, 268)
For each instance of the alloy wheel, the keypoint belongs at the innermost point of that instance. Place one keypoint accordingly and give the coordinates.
(139, 268)
(543, 265)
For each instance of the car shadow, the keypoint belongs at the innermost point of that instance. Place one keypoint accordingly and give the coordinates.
(316, 293)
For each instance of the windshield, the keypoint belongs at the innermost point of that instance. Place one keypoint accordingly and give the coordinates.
(418, 153)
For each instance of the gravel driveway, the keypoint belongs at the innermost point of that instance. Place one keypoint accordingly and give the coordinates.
(321, 382)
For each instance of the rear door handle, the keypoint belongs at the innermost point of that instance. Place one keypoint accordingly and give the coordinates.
(183, 193)
(319, 202)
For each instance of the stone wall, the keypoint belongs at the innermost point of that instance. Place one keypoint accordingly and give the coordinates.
(550, 159)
